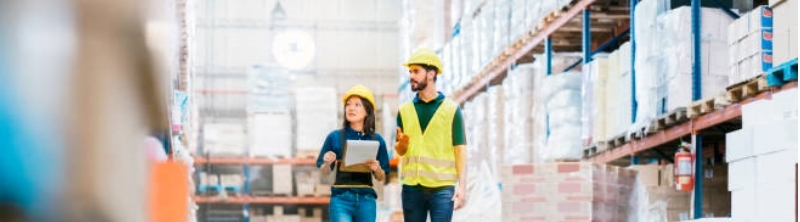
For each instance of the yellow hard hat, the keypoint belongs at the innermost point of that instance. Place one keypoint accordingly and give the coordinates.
(426, 57)
(361, 91)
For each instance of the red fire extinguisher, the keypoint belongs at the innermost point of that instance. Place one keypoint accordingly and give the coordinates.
(684, 174)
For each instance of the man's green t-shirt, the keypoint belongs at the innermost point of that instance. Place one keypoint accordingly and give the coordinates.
(425, 113)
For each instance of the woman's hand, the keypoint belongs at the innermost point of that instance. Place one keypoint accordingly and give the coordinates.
(329, 157)
(373, 165)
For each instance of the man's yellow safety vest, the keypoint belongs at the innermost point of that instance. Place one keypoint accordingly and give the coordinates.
(430, 159)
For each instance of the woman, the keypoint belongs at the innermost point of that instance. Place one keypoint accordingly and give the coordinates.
(352, 196)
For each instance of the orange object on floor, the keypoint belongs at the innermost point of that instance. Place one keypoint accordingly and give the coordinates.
(169, 192)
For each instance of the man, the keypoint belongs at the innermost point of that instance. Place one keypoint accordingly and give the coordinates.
(431, 140)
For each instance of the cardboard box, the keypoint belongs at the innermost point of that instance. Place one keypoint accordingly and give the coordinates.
(271, 135)
(776, 167)
(775, 202)
(756, 113)
(231, 180)
(739, 145)
(775, 136)
(282, 179)
(648, 174)
(742, 174)
(785, 31)
(785, 104)
(743, 204)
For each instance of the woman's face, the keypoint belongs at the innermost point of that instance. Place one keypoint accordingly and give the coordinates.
(354, 110)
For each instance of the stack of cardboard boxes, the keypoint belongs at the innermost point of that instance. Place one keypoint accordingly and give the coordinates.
(785, 30)
(664, 201)
(566, 191)
(762, 157)
(750, 41)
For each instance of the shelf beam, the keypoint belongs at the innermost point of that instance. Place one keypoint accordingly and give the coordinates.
(695, 125)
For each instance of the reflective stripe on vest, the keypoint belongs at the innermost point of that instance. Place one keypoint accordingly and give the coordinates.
(430, 158)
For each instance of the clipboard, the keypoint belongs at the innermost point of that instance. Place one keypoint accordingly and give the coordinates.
(358, 144)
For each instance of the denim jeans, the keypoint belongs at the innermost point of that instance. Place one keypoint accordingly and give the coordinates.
(417, 203)
(352, 207)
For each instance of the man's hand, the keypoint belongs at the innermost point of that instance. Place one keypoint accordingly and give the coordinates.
(459, 197)
(329, 157)
(401, 146)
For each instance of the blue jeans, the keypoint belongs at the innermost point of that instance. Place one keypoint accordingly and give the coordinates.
(352, 207)
(418, 203)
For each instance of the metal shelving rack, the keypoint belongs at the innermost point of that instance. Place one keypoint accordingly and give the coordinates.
(245, 200)
(651, 143)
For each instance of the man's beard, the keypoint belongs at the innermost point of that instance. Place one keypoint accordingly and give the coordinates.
(420, 86)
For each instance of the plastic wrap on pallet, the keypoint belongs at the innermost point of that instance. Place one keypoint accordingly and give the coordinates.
(714, 55)
(663, 91)
(593, 90)
(224, 139)
(562, 97)
(494, 122)
(518, 123)
(265, 141)
(477, 131)
(486, 33)
(650, 61)
(518, 22)
(315, 112)
(538, 113)
(502, 16)
(619, 91)
(484, 197)
(567, 191)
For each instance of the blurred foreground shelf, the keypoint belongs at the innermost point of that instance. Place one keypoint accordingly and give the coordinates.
(263, 200)
(251, 161)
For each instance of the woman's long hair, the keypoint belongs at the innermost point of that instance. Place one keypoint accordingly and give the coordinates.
(369, 121)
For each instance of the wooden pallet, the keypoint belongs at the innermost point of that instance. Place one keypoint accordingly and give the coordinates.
(595, 148)
(617, 141)
(566, 160)
(746, 89)
(706, 105)
(670, 119)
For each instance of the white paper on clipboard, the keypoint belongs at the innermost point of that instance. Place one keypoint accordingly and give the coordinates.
(359, 151)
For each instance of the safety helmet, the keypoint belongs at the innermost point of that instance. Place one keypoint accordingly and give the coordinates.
(426, 57)
(361, 91)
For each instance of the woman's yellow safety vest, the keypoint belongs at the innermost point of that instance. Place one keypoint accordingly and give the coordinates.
(430, 159)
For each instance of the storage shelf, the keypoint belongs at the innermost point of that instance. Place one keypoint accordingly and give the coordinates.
(199, 161)
(692, 126)
(264, 200)
(517, 50)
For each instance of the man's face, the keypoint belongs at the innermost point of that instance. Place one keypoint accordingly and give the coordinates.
(419, 77)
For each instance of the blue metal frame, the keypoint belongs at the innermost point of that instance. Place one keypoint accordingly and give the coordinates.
(634, 103)
(696, 95)
(602, 47)
(698, 177)
(246, 188)
(587, 37)
(548, 52)
(726, 9)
